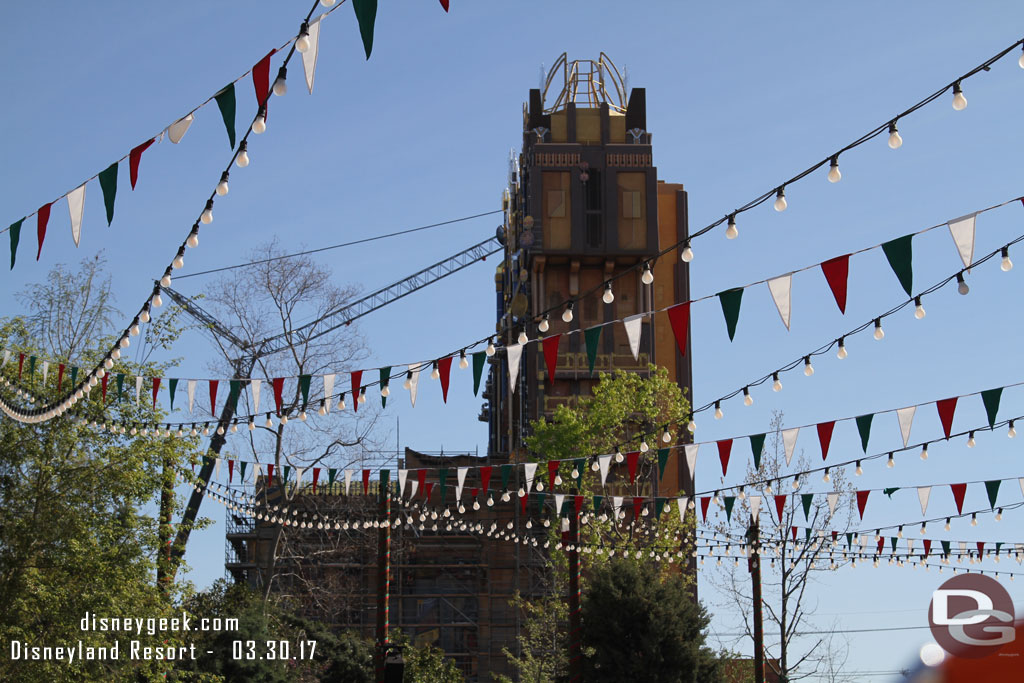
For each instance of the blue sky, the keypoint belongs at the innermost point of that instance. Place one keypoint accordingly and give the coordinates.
(740, 97)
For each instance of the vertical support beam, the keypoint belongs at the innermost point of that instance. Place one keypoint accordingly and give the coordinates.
(164, 571)
(383, 582)
(754, 543)
(575, 650)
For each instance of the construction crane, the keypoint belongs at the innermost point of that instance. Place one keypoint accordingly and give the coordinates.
(253, 351)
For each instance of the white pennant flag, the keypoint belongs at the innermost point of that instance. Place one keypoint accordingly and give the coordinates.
(257, 471)
(138, 389)
(529, 469)
(298, 476)
(46, 370)
(348, 480)
(906, 418)
(632, 325)
(616, 504)
(910, 545)
(1021, 482)
(559, 500)
(832, 499)
(216, 469)
(962, 231)
(755, 507)
(191, 394)
(414, 486)
(414, 381)
(176, 131)
(329, 392)
(789, 442)
(309, 56)
(7, 357)
(691, 458)
(76, 206)
(254, 385)
(682, 503)
(402, 476)
(515, 352)
(963, 546)
(460, 475)
(603, 462)
(782, 294)
(923, 493)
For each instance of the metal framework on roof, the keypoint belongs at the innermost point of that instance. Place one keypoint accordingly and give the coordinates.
(585, 82)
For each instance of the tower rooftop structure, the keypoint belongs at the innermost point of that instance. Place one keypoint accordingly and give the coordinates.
(585, 82)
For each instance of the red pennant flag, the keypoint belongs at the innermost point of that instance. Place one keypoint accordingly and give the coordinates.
(134, 157)
(42, 218)
(213, 396)
(959, 490)
(552, 473)
(474, 492)
(638, 504)
(278, 384)
(679, 317)
(357, 378)
(927, 546)
(835, 534)
(444, 368)
(631, 460)
(231, 473)
(794, 532)
(578, 500)
(270, 475)
(444, 3)
(485, 478)
(316, 478)
(724, 449)
(836, 272)
(366, 482)
(780, 505)
(704, 502)
(156, 388)
(21, 363)
(60, 375)
(550, 345)
(946, 409)
(523, 502)
(104, 385)
(421, 477)
(881, 545)
(981, 548)
(261, 78)
(862, 501)
(825, 436)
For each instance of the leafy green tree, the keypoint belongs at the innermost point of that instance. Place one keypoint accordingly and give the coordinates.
(543, 641)
(426, 664)
(641, 625)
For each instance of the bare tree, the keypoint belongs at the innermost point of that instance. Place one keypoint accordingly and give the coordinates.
(806, 541)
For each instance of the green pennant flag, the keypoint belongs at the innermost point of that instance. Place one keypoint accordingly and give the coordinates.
(581, 467)
(597, 504)
(385, 477)
(892, 540)
(729, 502)
(331, 474)
(662, 461)
(864, 427)
(757, 448)
(304, 387)
(730, 300)
(945, 547)
(999, 544)
(567, 504)
(172, 386)
(890, 491)
(120, 385)
(992, 487)
(366, 15)
(849, 540)
(241, 468)
(539, 497)
(385, 380)
(108, 183)
(991, 400)
(15, 231)
(659, 505)
(31, 368)
(226, 103)
(234, 392)
(806, 499)
(442, 477)
(900, 255)
(807, 534)
(506, 474)
(479, 359)
(592, 336)
(287, 471)
(74, 375)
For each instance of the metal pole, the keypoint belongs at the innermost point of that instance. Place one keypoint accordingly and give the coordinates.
(755, 575)
(163, 567)
(383, 582)
(575, 654)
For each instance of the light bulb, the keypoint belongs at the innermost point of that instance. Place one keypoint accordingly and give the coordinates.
(567, 313)
(999, 517)
(776, 383)
(1007, 264)
(841, 353)
(959, 101)
(193, 238)
(463, 361)
(731, 232)
(618, 456)
(879, 332)
(647, 277)
(687, 253)
(1020, 63)
(918, 308)
(144, 317)
(796, 483)
(924, 452)
(718, 410)
(327, 3)
(407, 384)
(826, 478)
(522, 338)
(780, 199)
(435, 373)
(252, 426)
(165, 281)
(834, 176)
(385, 391)
(962, 286)
(157, 300)
(322, 410)
(947, 524)
(179, 261)
(362, 396)
(974, 519)
(108, 363)
(242, 158)
(302, 42)
(207, 216)
(970, 440)
(860, 470)
(808, 368)
(691, 426)
(666, 437)
(222, 186)
(609, 295)
(268, 424)
(280, 85)
(490, 349)
(1012, 431)
(891, 463)
(544, 324)
(259, 124)
(748, 400)
(895, 141)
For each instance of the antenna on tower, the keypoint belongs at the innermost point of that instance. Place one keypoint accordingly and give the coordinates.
(625, 80)
(543, 78)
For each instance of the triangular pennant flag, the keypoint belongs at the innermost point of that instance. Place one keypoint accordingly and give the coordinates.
(962, 231)
(226, 103)
(559, 502)
(603, 462)
(659, 505)
(479, 358)
(42, 218)
(216, 468)
(176, 131)
(679, 318)
(529, 470)
(46, 370)
(444, 4)
(789, 442)
(403, 475)
(191, 389)
(366, 15)
(444, 368)
(460, 481)
(691, 458)
(357, 379)
(724, 449)
(946, 408)
(662, 461)
(757, 448)
(806, 499)
(755, 508)
(862, 501)
(906, 420)
(632, 458)
(485, 478)
(704, 502)
(837, 272)
(234, 390)
(134, 157)
(729, 501)
(506, 476)
(825, 436)
(332, 473)
(864, 427)
(261, 78)
(442, 478)
(781, 289)
(172, 389)
(270, 475)
(991, 398)
(1020, 482)
(923, 494)
(592, 336)
(597, 504)
(421, 483)
(348, 480)
(231, 473)
(385, 381)
(730, 300)
(277, 383)
(76, 206)
(616, 504)
(899, 253)
(15, 234)
(682, 502)
(304, 381)
(106, 378)
(214, 383)
(780, 505)
(550, 345)
(959, 490)
(633, 326)
(832, 499)
(515, 352)
(366, 482)
(108, 183)
(992, 488)
(552, 473)
(156, 388)
(309, 56)
(927, 546)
